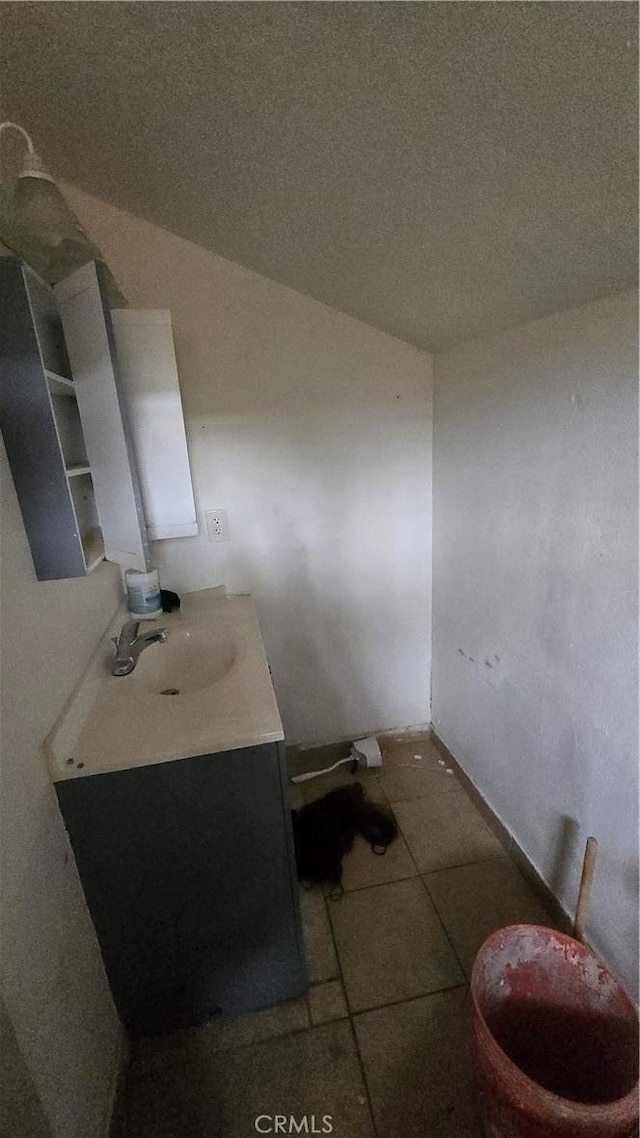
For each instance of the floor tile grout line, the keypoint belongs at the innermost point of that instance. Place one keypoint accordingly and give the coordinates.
(363, 1011)
(390, 881)
(504, 857)
(419, 873)
(410, 999)
(352, 1025)
(499, 857)
(406, 841)
(444, 928)
(407, 844)
(350, 1017)
(356, 1044)
(466, 864)
(463, 864)
(376, 884)
(188, 1061)
(401, 831)
(419, 797)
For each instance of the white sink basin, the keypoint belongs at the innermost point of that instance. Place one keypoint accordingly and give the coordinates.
(188, 661)
(206, 690)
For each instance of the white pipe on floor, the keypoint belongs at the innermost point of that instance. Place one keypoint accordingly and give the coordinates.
(365, 752)
(314, 774)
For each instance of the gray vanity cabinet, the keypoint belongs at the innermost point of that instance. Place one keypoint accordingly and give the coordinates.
(189, 873)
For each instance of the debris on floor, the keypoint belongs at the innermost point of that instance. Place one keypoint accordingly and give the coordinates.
(324, 831)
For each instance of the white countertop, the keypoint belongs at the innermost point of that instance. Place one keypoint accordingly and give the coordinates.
(118, 722)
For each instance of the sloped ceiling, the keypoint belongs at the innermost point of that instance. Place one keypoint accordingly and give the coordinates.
(439, 170)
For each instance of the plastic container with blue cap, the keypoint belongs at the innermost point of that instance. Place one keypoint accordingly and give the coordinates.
(143, 594)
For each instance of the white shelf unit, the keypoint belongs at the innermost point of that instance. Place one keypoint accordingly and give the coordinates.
(65, 423)
(109, 460)
(42, 429)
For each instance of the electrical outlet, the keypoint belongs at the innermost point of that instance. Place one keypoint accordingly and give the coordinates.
(217, 525)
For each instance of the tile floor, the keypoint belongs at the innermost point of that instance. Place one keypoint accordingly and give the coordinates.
(382, 1041)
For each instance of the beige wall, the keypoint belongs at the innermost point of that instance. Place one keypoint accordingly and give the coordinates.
(53, 985)
(313, 431)
(535, 646)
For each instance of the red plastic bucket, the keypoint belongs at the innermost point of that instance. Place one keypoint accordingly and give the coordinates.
(556, 1039)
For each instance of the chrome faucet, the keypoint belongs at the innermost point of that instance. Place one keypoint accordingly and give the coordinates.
(129, 646)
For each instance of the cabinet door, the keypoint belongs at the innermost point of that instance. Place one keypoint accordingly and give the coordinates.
(144, 343)
(185, 868)
(105, 420)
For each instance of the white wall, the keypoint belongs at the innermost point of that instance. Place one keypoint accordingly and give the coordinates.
(21, 1113)
(535, 594)
(313, 431)
(53, 985)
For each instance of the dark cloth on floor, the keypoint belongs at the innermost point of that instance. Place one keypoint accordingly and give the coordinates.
(324, 831)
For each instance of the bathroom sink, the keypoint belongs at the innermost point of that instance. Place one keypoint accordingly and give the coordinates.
(203, 691)
(189, 661)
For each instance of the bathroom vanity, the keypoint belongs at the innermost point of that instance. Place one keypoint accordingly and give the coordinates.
(172, 785)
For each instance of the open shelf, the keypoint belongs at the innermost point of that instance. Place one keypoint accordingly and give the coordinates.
(45, 321)
(60, 385)
(69, 427)
(93, 548)
(86, 514)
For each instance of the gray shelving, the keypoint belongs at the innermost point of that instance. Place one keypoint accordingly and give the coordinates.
(65, 419)
(42, 429)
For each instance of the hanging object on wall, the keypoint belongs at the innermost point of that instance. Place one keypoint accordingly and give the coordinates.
(37, 223)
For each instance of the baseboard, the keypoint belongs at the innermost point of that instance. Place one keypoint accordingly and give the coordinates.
(347, 740)
(538, 885)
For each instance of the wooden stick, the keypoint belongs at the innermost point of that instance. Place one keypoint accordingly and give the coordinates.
(586, 881)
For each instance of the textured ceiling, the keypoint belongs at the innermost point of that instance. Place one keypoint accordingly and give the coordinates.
(439, 170)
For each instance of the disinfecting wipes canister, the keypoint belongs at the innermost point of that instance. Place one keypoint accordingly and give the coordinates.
(143, 593)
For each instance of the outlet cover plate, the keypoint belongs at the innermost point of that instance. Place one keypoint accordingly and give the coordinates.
(217, 525)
